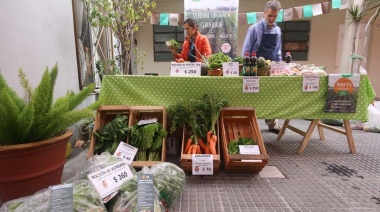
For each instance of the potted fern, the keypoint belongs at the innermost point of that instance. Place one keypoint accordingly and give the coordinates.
(33, 135)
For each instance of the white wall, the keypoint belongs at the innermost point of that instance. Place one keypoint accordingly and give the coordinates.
(322, 44)
(34, 35)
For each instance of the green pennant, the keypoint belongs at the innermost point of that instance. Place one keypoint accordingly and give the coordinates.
(251, 18)
(280, 16)
(308, 11)
(336, 4)
(164, 18)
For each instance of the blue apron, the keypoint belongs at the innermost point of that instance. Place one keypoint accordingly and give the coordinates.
(267, 48)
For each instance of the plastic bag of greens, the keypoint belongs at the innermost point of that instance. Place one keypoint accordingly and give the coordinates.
(169, 180)
(85, 198)
(95, 163)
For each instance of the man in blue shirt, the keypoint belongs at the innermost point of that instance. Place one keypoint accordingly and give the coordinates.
(264, 38)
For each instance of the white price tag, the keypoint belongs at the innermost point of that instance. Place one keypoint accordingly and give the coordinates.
(126, 152)
(202, 164)
(108, 180)
(251, 84)
(185, 69)
(250, 149)
(279, 67)
(230, 69)
(310, 83)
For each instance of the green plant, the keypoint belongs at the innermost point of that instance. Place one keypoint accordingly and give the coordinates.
(39, 117)
(123, 17)
(215, 60)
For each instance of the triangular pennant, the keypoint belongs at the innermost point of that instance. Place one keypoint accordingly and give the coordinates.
(298, 12)
(336, 4)
(164, 18)
(242, 19)
(344, 4)
(251, 18)
(259, 16)
(326, 7)
(307, 11)
(317, 9)
(280, 16)
(173, 19)
(181, 19)
(288, 14)
(155, 18)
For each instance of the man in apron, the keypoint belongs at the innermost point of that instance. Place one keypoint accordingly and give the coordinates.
(264, 38)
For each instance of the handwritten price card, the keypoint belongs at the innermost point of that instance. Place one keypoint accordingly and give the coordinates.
(202, 164)
(230, 69)
(251, 84)
(108, 180)
(185, 69)
(126, 152)
(310, 83)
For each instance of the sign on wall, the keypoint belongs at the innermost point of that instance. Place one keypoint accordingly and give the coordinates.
(218, 20)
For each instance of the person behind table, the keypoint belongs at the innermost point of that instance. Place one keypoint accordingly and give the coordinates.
(264, 38)
(195, 45)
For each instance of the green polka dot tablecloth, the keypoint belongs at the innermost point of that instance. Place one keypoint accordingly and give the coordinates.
(279, 97)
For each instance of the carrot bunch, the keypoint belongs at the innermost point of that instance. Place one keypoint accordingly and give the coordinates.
(200, 147)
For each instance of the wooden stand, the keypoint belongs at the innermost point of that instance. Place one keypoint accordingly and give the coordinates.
(239, 122)
(317, 122)
(187, 159)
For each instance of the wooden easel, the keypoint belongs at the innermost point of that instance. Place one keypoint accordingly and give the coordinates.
(317, 122)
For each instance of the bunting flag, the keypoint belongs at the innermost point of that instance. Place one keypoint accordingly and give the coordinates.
(288, 14)
(164, 18)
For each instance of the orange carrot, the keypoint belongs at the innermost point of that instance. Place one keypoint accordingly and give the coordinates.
(209, 136)
(190, 151)
(201, 143)
(213, 141)
(199, 150)
(188, 144)
(207, 150)
(195, 147)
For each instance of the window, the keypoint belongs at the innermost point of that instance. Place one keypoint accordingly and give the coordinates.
(295, 39)
(162, 34)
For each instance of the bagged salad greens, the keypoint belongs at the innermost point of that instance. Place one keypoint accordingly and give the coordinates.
(169, 180)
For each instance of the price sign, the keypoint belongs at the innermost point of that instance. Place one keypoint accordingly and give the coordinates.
(202, 164)
(61, 198)
(108, 180)
(145, 192)
(230, 69)
(126, 152)
(250, 149)
(310, 83)
(279, 67)
(185, 69)
(251, 84)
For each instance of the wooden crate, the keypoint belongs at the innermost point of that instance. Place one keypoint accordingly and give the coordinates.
(138, 113)
(236, 122)
(187, 159)
(104, 115)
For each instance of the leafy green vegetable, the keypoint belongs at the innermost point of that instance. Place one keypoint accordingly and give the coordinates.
(216, 60)
(233, 146)
(239, 59)
(147, 138)
(111, 134)
(213, 105)
(172, 44)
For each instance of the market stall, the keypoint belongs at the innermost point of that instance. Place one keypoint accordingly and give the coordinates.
(278, 97)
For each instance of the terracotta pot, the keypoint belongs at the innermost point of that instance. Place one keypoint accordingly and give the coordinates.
(215, 72)
(28, 168)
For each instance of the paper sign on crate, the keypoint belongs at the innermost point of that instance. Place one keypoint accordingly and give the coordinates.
(202, 164)
(126, 152)
(250, 149)
(186, 69)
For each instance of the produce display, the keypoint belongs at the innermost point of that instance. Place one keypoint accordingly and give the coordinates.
(148, 139)
(201, 115)
(233, 146)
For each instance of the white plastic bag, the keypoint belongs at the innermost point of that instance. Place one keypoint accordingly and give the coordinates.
(373, 125)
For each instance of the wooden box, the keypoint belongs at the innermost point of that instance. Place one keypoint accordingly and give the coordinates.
(187, 160)
(105, 114)
(138, 113)
(236, 122)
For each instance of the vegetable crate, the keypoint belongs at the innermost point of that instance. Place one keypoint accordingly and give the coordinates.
(187, 159)
(104, 115)
(138, 113)
(240, 122)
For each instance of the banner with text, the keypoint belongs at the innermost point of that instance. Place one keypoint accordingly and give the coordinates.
(218, 20)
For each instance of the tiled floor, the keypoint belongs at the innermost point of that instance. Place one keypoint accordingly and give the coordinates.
(326, 177)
